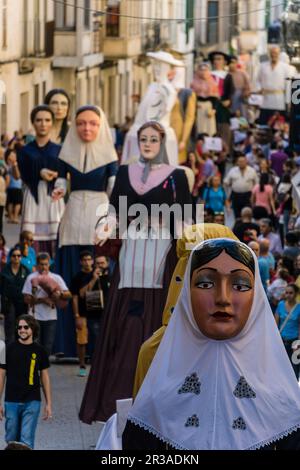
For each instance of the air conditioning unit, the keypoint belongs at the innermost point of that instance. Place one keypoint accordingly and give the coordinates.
(26, 66)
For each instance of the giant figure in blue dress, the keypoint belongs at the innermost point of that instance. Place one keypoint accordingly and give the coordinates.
(38, 164)
(89, 158)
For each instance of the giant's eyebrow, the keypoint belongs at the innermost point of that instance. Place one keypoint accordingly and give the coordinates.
(215, 270)
(210, 269)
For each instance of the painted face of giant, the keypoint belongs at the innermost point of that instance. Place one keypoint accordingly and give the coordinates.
(219, 62)
(60, 106)
(222, 295)
(43, 123)
(149, 142)
(88, 125)
(161, 70)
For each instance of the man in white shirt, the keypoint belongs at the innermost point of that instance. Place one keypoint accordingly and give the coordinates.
(273, 84)
(241, 179)
(43, 307)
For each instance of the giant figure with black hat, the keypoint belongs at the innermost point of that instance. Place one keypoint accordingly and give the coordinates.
(226, 89)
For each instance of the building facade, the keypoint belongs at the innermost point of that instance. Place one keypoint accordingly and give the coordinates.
(77, 53)
(94, 49)
(214, 28)
(26, 39)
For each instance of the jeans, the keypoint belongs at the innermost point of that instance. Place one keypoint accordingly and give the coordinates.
(94, 325)
(47, 334)
(21, 421)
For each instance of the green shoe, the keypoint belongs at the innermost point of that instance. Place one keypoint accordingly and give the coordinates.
(82, 372)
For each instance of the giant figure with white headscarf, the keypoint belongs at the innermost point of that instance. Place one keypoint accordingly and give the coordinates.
(211, 383)
(156, 105)
(89, 158)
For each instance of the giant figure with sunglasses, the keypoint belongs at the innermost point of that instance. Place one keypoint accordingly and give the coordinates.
(23, 371)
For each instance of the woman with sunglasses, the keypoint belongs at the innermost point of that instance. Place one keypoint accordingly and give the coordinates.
(12, 279)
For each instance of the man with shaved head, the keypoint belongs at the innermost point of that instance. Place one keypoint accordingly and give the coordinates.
(244, 228)
(272, 83)
(264, 252)
(273, 238)
(262, 264)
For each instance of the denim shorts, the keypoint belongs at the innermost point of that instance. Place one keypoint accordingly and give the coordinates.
(21, 421)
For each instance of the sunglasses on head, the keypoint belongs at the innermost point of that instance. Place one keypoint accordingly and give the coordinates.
(24, 327)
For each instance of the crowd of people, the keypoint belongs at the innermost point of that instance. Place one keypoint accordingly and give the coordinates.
(79, 290)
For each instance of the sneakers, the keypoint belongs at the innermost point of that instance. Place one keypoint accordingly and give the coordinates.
(82, 372)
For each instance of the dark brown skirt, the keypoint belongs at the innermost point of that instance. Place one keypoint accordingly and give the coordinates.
(130, 318)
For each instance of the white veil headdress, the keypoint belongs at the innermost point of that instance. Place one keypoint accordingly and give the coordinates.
(86, 157)
(233, 394)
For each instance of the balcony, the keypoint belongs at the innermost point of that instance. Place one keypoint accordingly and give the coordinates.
(74, 49)
(118, 47)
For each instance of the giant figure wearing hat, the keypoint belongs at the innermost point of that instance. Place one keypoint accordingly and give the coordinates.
(225, 84)
(156, 105)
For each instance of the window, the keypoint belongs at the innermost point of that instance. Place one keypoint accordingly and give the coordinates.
(111, 94)
(24, 105)
(3, 118)
(189, 14)
(65, 15)
(97, 90)
(113, 19)
(212, 22)
(87, 13)
(44, 88)
(4, 24)
(36, 95)
(234, 22)
(3, 108)
(37, 25)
